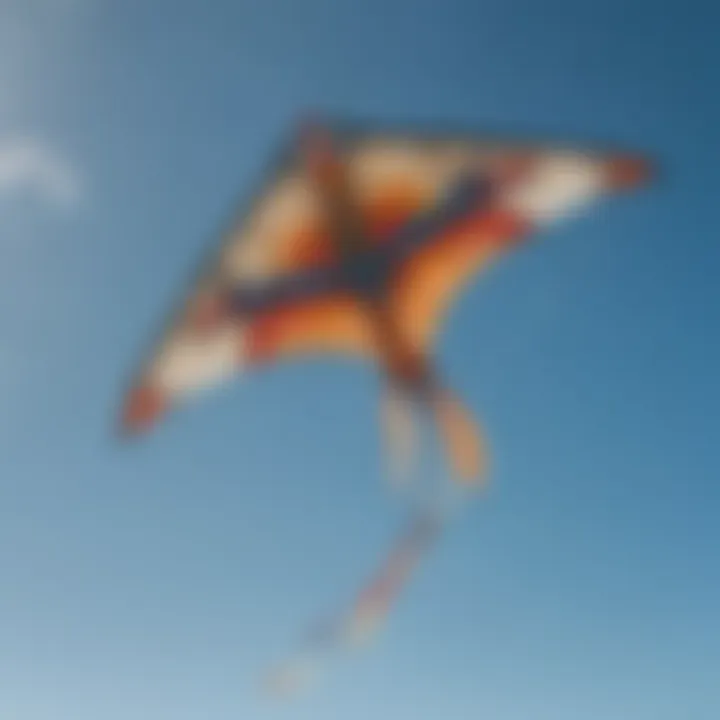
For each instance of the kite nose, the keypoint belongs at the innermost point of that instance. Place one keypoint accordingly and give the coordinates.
(319, 151)
(142, 409)
(626, 172)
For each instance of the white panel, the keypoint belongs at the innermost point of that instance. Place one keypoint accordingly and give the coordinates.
(190, 362)
(559, 184)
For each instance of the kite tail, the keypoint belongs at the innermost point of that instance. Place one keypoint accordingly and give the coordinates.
(461, 436)
(400, 429)
(459, 433)
(361, 620)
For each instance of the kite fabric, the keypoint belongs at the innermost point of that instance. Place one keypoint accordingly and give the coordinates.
(356, 246)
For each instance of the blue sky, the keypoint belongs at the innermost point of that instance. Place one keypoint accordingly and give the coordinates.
(155, 582)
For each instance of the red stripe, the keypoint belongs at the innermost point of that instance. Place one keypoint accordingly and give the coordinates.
(143, 407)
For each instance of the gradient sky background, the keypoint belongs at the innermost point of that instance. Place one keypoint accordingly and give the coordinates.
(154, 582)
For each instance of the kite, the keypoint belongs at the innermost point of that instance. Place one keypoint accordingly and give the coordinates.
(357, 246)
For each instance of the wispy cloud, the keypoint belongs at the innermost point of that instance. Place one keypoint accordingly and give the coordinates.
(39, 56)
(36, 37)
(30, 167)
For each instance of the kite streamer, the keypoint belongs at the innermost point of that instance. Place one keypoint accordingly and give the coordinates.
(432, 508)
(370, 609)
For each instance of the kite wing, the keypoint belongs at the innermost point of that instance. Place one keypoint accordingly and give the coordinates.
(281, 236)
(536, 187)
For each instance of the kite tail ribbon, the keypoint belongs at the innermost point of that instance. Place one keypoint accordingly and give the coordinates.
(365, 615)
(373, 604)
(371, 607)
(399, 423)
(459, 433)
(461, 437)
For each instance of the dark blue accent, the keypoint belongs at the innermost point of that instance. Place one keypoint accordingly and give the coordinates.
(367, 272)
(467, 195)
(248, 299)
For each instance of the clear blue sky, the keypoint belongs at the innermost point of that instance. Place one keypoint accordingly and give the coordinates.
(155, 582)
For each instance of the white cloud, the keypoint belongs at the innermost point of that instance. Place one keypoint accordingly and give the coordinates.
(36, 41)
(42, 46)
(29, 166)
